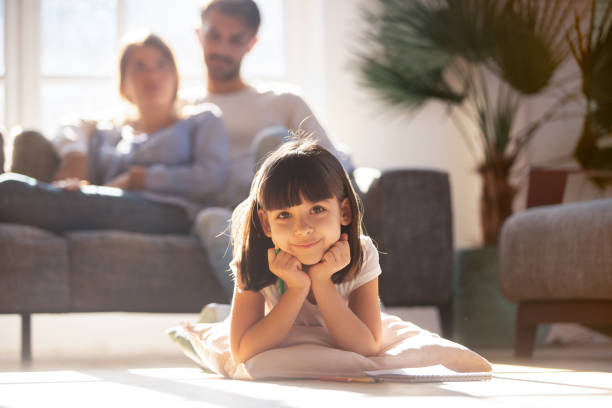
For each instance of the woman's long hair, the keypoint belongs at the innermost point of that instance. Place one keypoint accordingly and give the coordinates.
(297, 169)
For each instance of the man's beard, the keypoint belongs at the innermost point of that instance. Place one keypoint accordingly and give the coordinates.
(231, 72)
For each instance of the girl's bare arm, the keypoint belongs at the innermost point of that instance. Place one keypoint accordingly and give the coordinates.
(251, 332)
(354, 327)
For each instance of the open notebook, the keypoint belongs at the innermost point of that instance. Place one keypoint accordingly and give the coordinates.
(435, 373)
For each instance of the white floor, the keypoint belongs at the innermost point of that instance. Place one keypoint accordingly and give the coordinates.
(113, 359)
(552, 380)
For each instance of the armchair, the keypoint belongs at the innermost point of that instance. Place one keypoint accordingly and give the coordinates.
(556, 263)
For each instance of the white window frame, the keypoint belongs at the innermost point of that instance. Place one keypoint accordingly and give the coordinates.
(21, 61)
(3, 74)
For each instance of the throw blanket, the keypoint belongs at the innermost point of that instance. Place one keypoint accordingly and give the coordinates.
(308, 352)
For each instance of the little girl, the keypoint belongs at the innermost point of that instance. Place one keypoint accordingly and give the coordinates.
(306, 284)
(300, 257)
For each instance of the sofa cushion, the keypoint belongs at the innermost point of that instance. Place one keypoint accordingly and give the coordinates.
(33, 270)
(408, 214)
(558, 252)
(126, 271)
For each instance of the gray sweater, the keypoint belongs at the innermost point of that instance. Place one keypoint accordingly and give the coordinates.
(187, 163)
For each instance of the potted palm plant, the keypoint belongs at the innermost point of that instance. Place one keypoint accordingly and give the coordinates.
(483, 59)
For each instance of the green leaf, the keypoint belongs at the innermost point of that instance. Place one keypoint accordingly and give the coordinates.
(592, 50)
(531, 43)
(406, 86)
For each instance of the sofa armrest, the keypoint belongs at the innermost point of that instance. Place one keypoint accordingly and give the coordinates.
(408, 214)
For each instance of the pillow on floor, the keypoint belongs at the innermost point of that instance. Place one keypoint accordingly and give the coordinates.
(180, 337)
(309, 352)
(211, 313)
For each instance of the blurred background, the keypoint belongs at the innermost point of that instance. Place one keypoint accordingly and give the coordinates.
(57, 58)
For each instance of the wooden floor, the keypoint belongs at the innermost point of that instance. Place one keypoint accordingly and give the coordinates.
(556, 377)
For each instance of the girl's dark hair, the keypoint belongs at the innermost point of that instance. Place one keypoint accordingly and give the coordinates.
(297, 168)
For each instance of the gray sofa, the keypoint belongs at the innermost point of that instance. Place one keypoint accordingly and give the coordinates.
(408, 214)
(556, 264)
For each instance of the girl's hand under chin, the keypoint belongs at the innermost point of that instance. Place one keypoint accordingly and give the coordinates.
(334, 259)
(289, 269)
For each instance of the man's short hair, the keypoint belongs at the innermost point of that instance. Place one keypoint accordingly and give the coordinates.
(245, 9)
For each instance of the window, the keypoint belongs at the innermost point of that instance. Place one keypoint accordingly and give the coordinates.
(76, 51)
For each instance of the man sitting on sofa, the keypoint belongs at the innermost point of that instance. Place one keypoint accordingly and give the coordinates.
(257, 119)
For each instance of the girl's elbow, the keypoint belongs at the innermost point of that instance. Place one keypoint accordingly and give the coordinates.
(370, 349)
(373, 347)
(237, 358)
(234, 349)
(240, 353)
(367, 349)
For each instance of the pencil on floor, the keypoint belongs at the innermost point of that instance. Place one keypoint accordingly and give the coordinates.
(352, 379)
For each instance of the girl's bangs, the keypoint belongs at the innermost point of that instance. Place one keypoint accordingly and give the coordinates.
(301, 177)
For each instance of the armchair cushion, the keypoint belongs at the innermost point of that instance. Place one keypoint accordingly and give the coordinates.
(558, 252)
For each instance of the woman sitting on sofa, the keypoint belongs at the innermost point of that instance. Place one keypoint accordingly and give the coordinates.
(150, 172)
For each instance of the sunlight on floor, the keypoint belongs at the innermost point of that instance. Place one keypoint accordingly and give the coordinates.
(99, 389)
(512, 386)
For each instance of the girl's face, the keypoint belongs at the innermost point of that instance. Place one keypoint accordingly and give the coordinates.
(308, 230)
(150, 79)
